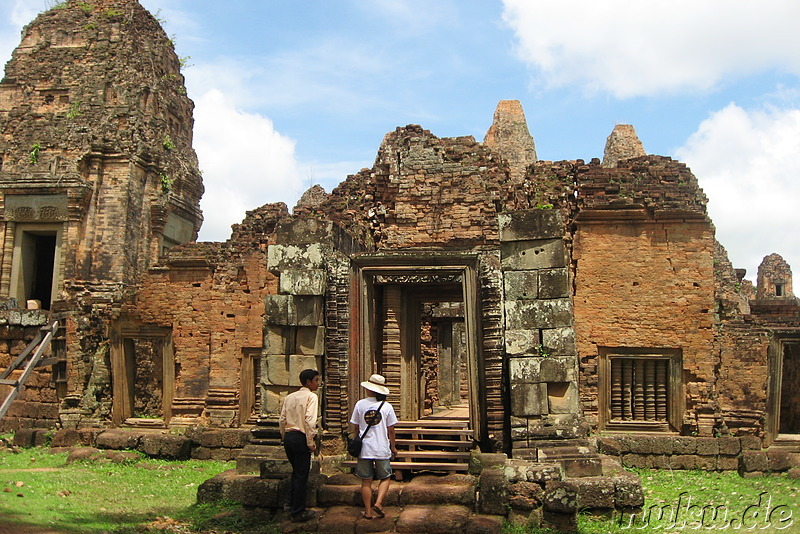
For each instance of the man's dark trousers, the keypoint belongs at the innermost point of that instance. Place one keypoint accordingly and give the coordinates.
(296, 447)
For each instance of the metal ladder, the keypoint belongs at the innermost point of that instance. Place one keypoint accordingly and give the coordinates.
(37, 347)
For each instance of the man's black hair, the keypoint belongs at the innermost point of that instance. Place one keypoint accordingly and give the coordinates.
(307, 374)
(380, 397)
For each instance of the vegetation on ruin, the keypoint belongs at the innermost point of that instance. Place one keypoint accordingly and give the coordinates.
(74, 110)
(168, 143)
(39, 490)
(34, 154)
(166, 183)
(54, 4)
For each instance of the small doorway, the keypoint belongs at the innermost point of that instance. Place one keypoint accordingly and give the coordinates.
(35, 264)
(436, 355)
(142, 374)
(789, 414)
(250, 386)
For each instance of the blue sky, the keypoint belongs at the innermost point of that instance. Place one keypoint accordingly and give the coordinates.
(291, 93)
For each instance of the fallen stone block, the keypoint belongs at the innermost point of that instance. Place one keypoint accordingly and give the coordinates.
(165, 446)
(751, 461)
(484, 524)
(628, 492)
(117, 440)
(525, 496)
(594, 492)
(493, 492)
(433, 519)
(561, 497)
(438, 494)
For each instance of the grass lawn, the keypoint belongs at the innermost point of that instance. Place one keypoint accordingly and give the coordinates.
(707, 502)
(40, 493)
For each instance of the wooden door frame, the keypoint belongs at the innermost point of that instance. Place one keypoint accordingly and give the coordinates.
(363, 342)
(775, 381)
(120, 386)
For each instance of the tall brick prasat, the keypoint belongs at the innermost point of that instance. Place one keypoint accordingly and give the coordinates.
(97, 171)
(547, 300)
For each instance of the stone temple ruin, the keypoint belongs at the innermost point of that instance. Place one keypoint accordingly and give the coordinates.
(560, 311)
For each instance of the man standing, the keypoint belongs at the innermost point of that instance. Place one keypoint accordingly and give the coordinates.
(378, 446)
(298, 425)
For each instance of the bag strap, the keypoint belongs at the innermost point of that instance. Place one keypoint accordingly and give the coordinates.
(368, 424)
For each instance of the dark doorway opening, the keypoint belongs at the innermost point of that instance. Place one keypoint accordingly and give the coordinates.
(38, 266)
(790, 393)
(43, 264)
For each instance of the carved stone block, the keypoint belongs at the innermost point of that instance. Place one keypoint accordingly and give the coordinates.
(283, 257)
(520, 342)
(554, 283)
(310, 340)
(530, 224)
(524, 370)
(527, 314)
(302, 282)
(521, 285)
(528, 399)
(559, 340)
(527, 255)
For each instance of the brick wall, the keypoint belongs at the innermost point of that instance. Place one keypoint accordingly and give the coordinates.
(645, 284)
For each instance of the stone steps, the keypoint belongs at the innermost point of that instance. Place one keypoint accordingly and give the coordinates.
(425, 504)
(419, 519)
(430, 445)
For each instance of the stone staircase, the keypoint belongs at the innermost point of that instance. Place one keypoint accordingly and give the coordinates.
(430, 445)
(442, 484)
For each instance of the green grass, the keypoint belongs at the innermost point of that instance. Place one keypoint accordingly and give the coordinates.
(738, 502)
(38, 489)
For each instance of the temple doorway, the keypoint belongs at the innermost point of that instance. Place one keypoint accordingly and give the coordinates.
(418, 327)
(142, 374)
(789, 415)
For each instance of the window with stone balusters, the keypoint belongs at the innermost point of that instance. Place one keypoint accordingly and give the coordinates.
(640, 389)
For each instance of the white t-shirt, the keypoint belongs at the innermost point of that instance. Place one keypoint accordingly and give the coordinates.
(376, 442)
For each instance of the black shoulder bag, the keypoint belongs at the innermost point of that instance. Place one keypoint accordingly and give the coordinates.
(354, 447)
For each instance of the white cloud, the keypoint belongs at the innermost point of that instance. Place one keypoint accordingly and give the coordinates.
(245, 163)
(747, 163)
(633, 48)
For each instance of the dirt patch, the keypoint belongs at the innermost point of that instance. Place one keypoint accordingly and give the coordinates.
(7, 527)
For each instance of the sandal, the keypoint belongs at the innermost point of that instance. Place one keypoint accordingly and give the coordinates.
(378, 511)
(365, 516)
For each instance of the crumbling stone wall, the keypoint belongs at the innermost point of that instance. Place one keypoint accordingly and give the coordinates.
(403, 207)
(571, 257)
(211, 295)
(539, 334)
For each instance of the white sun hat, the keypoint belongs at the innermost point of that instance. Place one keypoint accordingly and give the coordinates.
(376, 383)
